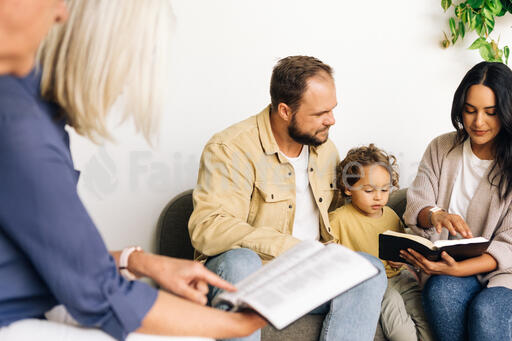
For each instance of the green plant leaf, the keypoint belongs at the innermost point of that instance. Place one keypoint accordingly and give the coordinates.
(445, 4)
(506, 52)
(498, 7)
(496, 52)
(462, 29)
(479, 25)
(487, 13)
(494, 6)
(476, 4)
(445, 42)
(464, 17)
(471, 18)
(486, 53)
(489, 24)
(478, 43)
(453, 28)
(507, 5)
(460, 12)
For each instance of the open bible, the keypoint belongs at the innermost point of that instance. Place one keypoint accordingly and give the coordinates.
(390, 244)
(298, 281)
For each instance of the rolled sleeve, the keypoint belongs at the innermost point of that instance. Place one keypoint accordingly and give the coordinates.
(129, 305)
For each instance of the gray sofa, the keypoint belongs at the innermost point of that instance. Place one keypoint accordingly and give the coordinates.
(173, 240)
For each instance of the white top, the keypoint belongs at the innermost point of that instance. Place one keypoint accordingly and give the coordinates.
(307, 217)
(470, 174)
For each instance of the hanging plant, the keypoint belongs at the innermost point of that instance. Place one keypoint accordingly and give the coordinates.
(478, 16)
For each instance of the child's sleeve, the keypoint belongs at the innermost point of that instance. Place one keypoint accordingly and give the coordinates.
(336, 226)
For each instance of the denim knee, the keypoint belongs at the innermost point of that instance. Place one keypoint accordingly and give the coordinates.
(433, 289)
(481, 309)
(378, 264)
(441, 288)
(234, 265)
(487, 317)
(380, 281)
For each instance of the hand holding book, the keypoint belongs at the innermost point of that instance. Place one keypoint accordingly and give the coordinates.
(446, 266)
(391, 243)
(462, 257)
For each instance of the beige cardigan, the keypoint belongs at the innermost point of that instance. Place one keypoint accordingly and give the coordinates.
(487, 216)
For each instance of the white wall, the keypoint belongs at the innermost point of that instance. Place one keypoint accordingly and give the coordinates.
(395, 86)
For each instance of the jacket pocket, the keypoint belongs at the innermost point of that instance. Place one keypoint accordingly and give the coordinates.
(328, 189)
(271, 205)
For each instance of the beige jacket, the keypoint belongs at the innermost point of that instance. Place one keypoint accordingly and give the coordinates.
(245, 194)
(487, 216)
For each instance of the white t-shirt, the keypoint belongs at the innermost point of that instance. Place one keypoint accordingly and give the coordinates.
(469, 177)
(307, 217)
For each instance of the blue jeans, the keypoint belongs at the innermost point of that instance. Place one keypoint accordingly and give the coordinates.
(352, 315)
(460, 308)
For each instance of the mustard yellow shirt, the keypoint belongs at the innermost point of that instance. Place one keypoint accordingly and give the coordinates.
(358, 232)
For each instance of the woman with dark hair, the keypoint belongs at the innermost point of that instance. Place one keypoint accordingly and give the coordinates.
(464, 185)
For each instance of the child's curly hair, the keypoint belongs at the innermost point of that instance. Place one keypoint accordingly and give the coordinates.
(348, 170)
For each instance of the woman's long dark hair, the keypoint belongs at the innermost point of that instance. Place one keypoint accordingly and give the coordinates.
(497, 77)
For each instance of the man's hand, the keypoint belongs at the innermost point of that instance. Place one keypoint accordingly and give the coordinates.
(452, 222)
(446, 266)
(185, 278)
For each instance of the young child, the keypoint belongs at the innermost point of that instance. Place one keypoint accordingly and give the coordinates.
(366, 176)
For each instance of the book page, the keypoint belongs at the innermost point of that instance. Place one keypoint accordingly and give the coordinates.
(418, 239)
(310, 283)
(274, 268)
(448, 242)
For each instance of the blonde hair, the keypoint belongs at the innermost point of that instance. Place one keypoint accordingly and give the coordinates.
(109, 47)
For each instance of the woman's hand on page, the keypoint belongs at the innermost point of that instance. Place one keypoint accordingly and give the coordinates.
(185, 278)
(446, 266)
(452, 222)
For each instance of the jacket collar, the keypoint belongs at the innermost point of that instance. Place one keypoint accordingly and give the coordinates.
(267, 139)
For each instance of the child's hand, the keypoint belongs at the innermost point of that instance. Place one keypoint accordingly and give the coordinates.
(395, 265)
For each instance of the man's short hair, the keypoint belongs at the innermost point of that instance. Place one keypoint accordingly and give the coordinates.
(289, 79)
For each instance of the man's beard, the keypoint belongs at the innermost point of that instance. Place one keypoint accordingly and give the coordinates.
(303, 138)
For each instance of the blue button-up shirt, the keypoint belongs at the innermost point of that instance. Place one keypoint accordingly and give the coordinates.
(50, 250)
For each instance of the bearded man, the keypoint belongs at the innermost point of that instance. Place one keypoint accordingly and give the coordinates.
(268, 182)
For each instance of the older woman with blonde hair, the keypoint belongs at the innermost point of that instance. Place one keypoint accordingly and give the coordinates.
(50, 250)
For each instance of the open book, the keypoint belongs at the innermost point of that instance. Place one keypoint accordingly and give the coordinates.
(298, 281)
(390, 244)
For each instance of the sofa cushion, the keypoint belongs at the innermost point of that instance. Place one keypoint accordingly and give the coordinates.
(173, 240)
